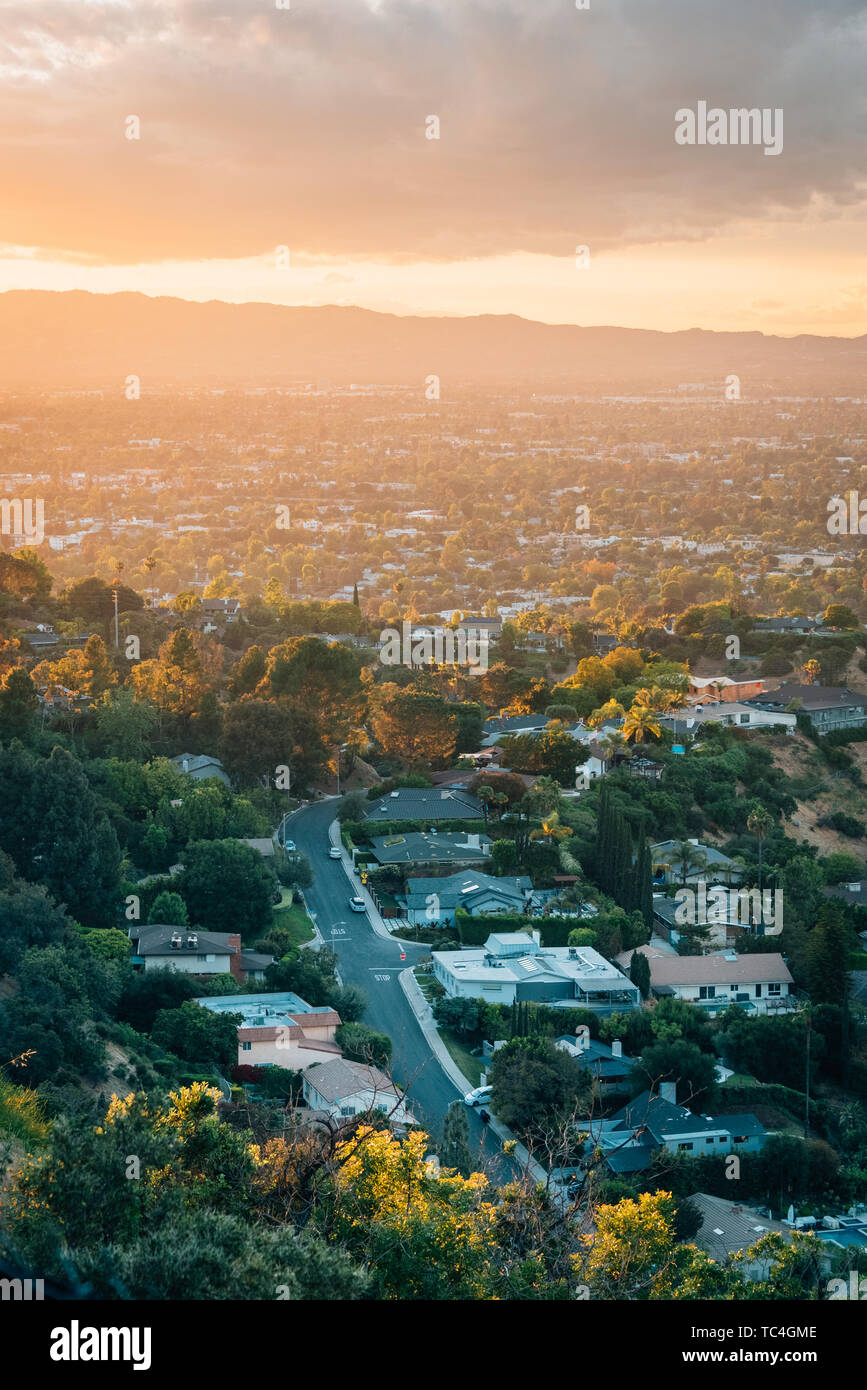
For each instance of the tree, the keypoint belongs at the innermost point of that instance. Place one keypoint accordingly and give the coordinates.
(68, 843)
(533, 1081)
(18, 702)
(227, 887)
(640, 721)
(838, 615)
(639, 972)
(828, 949)
(693, 1071)
(454, 1147)
(412, 725)
(169, 908)
(198, 1035)
(247, 673)
(258, 737)
(125, 725)
(322, 678)
(147, 992)
(362, 1044)
(760, 822)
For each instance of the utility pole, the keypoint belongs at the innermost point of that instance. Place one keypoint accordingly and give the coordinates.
(115, 596)
(807, 1086)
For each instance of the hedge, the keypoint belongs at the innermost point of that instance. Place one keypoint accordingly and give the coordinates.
(474, 931)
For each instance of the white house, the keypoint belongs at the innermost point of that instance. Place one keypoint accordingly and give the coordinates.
(760, 983)
(341, 1089)
(515, 966)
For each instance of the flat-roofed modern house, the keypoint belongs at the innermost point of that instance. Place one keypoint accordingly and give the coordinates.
(828, 707)
(513, 966)
(425, 804)
(341, 1089)
(471, 890)
(279, 1030)
(760, 983)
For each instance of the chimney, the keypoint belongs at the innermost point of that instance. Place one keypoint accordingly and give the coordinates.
(186, 764)
(235, 969)
(617, 1048)
(668, 1091)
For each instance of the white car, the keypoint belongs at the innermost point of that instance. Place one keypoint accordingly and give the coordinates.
(335, 853)
(289, 846)
(479, 1096)
(357, 904)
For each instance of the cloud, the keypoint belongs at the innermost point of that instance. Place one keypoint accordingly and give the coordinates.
(306, 126)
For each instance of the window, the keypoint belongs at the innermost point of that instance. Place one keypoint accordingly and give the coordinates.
(245, 1047)
(707, 991)
(347, 1110)
(774, 989)
(758, 991)
(685, 1146)
(739, 1138)
(710, 1140)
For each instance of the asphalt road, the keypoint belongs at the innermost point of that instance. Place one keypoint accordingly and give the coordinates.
(373, 963)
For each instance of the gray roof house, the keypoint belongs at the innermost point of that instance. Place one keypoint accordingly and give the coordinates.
(828, 707)
(425, 804)
(650, 1121)
(472, 890)
(199, 766)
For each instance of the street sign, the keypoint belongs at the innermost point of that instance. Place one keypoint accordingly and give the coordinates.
(403, 955)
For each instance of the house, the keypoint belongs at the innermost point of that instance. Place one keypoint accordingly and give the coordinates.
(610, 1068)
(710, 864)
(279, 1030)
(200, 766)
(728, 1227)
(732, 715)
(340, 1089)
(425, 804)
(716, 688)
(800, 626)
(193, 952)
(227, 608)
(263, 846)
(760, 983)
(514, 966)
(828, 707)
(650, 1121)
(423, 847)
(472, 890)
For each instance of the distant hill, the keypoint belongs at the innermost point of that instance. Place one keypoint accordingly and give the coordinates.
(80, 340)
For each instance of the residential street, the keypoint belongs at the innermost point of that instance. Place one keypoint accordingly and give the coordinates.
(367, 960)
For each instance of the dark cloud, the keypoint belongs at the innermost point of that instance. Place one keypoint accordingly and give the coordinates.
(306, 126)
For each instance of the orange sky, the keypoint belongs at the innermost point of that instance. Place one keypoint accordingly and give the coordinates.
(306, 128)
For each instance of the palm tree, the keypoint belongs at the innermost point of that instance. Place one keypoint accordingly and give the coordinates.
(688, 857)
(639, 722)
(760, 822)
(614, 746)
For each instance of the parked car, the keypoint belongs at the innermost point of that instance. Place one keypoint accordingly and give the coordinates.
(478, 1096)
(289, 846)
(335, 852)
(357, 904)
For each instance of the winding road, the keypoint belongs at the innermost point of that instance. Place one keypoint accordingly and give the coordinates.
(373, 964)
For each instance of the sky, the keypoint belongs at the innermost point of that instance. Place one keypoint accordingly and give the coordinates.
(283, 153)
